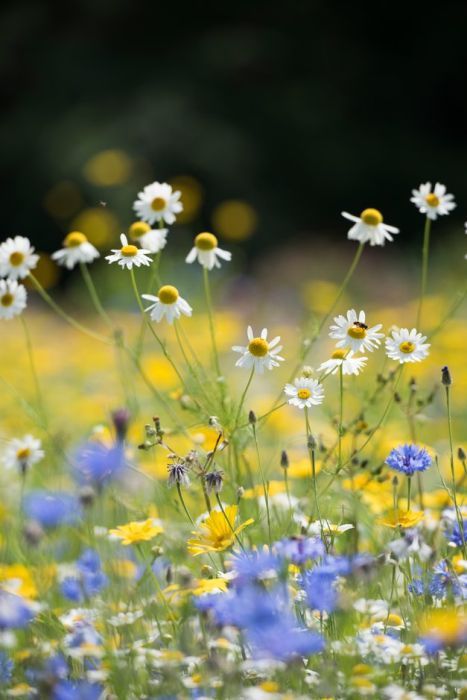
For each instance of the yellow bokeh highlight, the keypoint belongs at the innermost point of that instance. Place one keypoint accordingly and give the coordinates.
(192, 197)
(318, 295)
(108, 168)
(99, 225)
(46, 272)
(63, 200)
(234, 220)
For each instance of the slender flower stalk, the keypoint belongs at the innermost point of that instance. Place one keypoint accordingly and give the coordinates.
(341, 415)
(207, 294)
(311, 446)
(447, 386)
(424, 275)
(39, 396)
(263, 481)
(242, 399)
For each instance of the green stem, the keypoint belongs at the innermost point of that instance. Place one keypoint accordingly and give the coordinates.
(341, 414)
(88, 281)
(39, 397)
(460, 521)
(242, 400)
(53, 305)
(409, 487)
(424, 277)
(207, 293)
(265, 489)
(154, 277)
(311, 453)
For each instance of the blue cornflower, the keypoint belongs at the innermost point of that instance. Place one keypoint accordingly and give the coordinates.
(445, 581)
(91, 578)
(15, 613)
(320, 590)
(417, 587)
(301, 549)
(283, 640)
(409, 459)
(52, 508)
(456, 535)
(253, 565)
(96, 464)
(6, 668)
(76, 690)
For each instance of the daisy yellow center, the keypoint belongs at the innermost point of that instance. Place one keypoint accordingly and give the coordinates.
(158, 203)
(7, 299)
(407, 347)
(339, 354)
(168, 294)
(16, 258)
(356, 332)
(139, 228)
(258, 347)
(129, 251)
(432, 200)
(23, 453)
(206, 241)
(371, 217)
(303, 393)
(74, 239)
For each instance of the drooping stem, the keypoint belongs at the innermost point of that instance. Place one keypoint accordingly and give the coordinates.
(154, 277)
(424, 275)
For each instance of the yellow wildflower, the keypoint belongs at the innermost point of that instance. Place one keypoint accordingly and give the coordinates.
(404, 519)
(216, 534)
(274, 487)
(137, 531)
(16, 578)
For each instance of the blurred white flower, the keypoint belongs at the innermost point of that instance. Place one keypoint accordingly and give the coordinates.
(352, 332)
(158, 202)
(406, 346)
(22, 453)
(129, 255)
(167, 303)
(433, 203)
(17, 258)
(369, 227)
(259, 353)
(77, 249)
(12, 299)
(350, 364)
(206, 251)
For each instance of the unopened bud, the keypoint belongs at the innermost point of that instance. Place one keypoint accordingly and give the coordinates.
(284, 460)
(207, 571)
(240, 492)
(307, 371)
(121, 421)
(86, 496)
(413, 384)
(156, 551)
(311, 442)
(446, 378)
(33, 532)
(395, 481)
(397, 397)
(252, 418)
(461, 454)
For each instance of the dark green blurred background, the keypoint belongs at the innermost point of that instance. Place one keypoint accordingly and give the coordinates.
(298, 110)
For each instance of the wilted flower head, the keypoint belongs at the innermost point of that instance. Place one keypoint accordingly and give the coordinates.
(178, 473)
(409, 459)
(214, 481)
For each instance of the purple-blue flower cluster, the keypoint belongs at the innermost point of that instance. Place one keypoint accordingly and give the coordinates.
(90, 580)
(52, 508)
(409, 459)
(95, 464)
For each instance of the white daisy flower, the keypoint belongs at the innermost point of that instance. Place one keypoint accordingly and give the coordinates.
(17, 258)
(22, 453)
(153, 240)
(433, 203)
(350, 364)
(369, 227)
(407, 346)
(77, 249)
(259, 353)
(12, 299)
(129, 255)
(352, 332)
(168, 303)
(304, 392)
(158, 202)
(206, 251)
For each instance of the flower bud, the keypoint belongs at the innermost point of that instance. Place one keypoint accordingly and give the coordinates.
(461, 454)
(252, 418)
(446, 378)
(121, 420)
(284, 460)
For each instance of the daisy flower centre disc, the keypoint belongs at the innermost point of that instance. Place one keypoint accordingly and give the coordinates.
(407, 347)
(129, 251)
(206, 241)
(16, 258)
(158, 204)
(75, 239)
(371, 217)
(7, 299)
(258, 347)
(138, 229)
(303, 393)
(168, 294)
(432, 200)
(23, 453)
(340, 354)
(357, 331)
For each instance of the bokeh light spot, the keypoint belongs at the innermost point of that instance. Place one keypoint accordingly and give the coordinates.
(108, 168)
(63, 200)
(99, 225)
(192, 197)
(234, 220)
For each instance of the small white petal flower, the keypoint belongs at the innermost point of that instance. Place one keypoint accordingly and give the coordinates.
(206, 251)
(22, 453)
(12, 299)
(433, 203)
(168, 303)
(153, 240)
(17, 258)
(259, 353)
(304, 392)
(407, 346)
(129, 255)
(369, 227)
(77, 249)
(158, 202)
(350, 364)
(352, 332)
